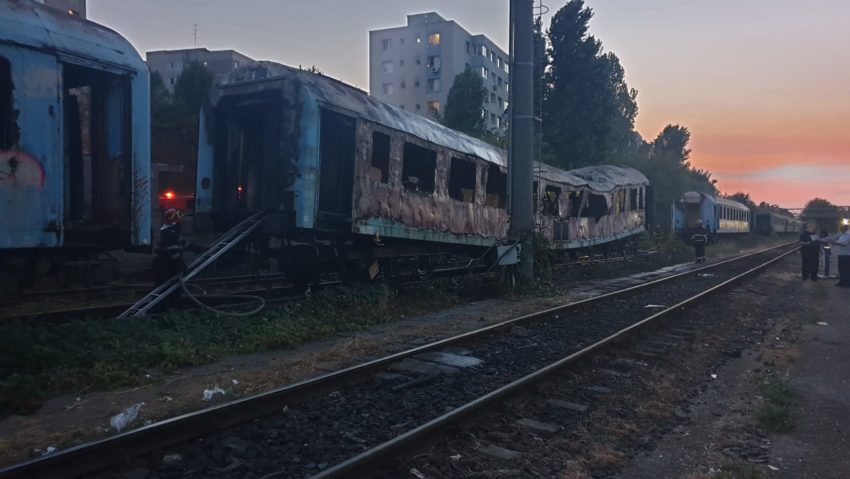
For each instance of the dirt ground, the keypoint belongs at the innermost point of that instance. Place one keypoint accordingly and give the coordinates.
(809, 350)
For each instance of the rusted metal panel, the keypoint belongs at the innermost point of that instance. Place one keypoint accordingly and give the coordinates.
(31, 173)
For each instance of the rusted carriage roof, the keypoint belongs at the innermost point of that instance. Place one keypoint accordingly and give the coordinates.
(600, 178)
(26, 23)
(360, 103)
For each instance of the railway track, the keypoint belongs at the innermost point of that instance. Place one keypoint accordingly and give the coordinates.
(343, 423)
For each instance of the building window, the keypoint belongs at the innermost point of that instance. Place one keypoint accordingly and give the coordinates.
(506, 68)
(469, 48)
(433, 85)
(434, 63)
(416, 84)
(499, 62)
(171, 81)
(387, 88)
(492, 97)
(387, 44)
(9, 132)
(434, 107)
(482, 50)
(380, 157)
(462, 180)
(403, 84)
(418, 61)
(418, 168)
(492, 56)
(484, 72)
(497, 187)
(387, 67)
(418, 107)
(434, 38)
(493, 119)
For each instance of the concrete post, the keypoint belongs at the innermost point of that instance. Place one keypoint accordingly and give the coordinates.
(520, 156)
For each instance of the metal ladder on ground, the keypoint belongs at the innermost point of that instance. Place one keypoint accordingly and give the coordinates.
(221, 246)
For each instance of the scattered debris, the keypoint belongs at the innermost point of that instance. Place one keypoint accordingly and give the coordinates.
(125, 418)
(772, 468)
(415, 472)
(49, 450)
(234, 381)
(713, 376)
(455, 458)
(649, 306)
(823, 323)
(210, 393)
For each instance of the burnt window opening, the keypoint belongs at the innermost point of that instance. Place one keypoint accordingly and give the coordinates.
(596, 207)
(380, 157)
(9, 132)
(497, 187)
(419, 168)
(337, 146)
(551, 198)
(535, 194)
(640, 199)
(462, 180)
(620, 201)
(575, 204)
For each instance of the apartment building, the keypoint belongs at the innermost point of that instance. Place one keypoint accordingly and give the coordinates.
(414, 66)
(170, 63)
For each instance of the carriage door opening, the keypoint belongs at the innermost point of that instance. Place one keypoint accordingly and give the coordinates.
(336, 172)
(246, 155)
(97, 153)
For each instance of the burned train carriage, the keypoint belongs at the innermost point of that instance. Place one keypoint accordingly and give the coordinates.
(600, 207)
(350, 179)
(74, 139)
(340, 173)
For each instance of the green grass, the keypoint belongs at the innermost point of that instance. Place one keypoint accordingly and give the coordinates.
(774, 415)
(741, 471)
(40, 360)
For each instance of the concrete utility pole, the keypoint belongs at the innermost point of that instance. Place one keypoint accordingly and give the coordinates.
(520, 155)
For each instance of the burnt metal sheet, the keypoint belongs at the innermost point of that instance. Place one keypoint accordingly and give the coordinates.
(599, 179)
(340, 95)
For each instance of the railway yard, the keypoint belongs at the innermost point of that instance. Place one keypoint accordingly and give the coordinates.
(587, 381)
(215, 266)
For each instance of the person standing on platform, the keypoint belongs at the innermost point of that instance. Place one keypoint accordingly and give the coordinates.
(699, 238)
(810, 251)
(842, 246)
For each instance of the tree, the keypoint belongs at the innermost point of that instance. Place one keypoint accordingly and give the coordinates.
(465, 103)
(826, 215)
(588, 110)
(745, 199)
(193, 86)
(671, 146)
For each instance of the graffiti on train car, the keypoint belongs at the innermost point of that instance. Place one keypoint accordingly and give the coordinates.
(18, 168)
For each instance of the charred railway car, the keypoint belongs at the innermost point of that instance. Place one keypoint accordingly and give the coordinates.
(74, 140)
(601, 207)
(347, 181)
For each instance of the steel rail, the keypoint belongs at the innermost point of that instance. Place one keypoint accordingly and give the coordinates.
(91, 457)
(415, 437)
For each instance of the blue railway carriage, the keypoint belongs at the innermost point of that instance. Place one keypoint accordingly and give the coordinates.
(720, 216)
(600, 207)
(74, 139)
(772, 222)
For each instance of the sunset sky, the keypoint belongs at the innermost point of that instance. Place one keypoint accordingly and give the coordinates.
(764, 85)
